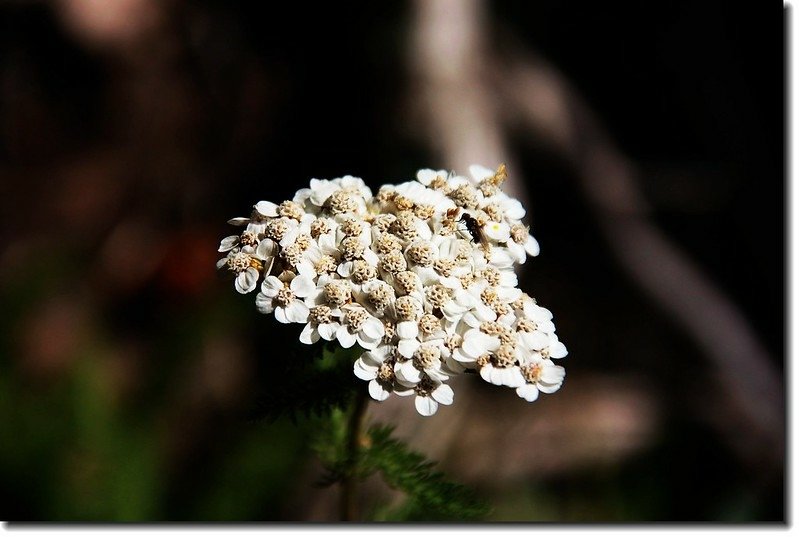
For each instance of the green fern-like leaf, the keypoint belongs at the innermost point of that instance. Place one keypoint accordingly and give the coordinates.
(430, 496)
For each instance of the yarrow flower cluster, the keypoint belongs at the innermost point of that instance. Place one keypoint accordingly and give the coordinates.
(420, 276)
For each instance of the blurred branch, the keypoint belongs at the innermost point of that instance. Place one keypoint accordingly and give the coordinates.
(459, 117)
(543, 101)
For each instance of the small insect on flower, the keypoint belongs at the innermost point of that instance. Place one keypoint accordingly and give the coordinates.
(474, 229)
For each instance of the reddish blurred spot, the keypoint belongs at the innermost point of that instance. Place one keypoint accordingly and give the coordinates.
(51, 334)
(189, 265)
(88, 192)
(130, 256)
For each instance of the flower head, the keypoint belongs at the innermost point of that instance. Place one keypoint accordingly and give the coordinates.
(420, 275)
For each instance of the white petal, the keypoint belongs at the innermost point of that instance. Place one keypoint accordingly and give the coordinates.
(302, 286)
(407, 347)
(377, 391)
(508, 294)
(321, 190)
(480, 172)
(270, 286)
(407, 373)
(264, 303)
(266, 248)
(513, 209)
(364, 371)
(366, 342)
(511, 377)
(458, 355)
(438, 375)
(516, 251)
(345, 269)
(374, 356)
(280, 315)
(297, 312)
(407, 329)
(328, 330)
(309, 336)
(427, 175)
(306, 268)
(426, 406)
(528, 392)
(266, 208)
(423, 230)
(246, 281)
(443, 394)
(532, 247)
(370, 257)
(508, 278)
(291, 235)
(501, 258)
(471, 320)
(497, 231)
(549, 388)
(534, 340)
(345, 338)
(557, 350)
(239, 221)
(452, 310)
(553, 374)
(228, 243)
(484, 313)
(373, 329)
(486, 371)
(548, 327)
(477, 343)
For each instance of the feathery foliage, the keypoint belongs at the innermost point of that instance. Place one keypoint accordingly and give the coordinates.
(429, 494)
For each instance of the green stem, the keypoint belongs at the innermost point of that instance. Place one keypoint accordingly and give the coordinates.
(349, 506)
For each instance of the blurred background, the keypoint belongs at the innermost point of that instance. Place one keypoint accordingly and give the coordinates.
(647, 143)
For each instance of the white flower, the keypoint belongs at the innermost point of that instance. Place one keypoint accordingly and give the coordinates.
(247, 262)
(553, 348)
(535, 325)
(540, 375)
(359, 326)
(512, 209)
(480, 173)
(510, 376)
(476, 344)
(520, 251)
(412, 333)
(467, 307)
(285, 298)
(377, 367)
(429, 394)
(426, 362)
(322, 322)
(375, 295)
(347, 194)
(497, 231)
(418, 193)
(296, 228)
(426, 176)
(330, 290)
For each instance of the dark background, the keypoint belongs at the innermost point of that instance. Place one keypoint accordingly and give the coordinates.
(128, 367)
